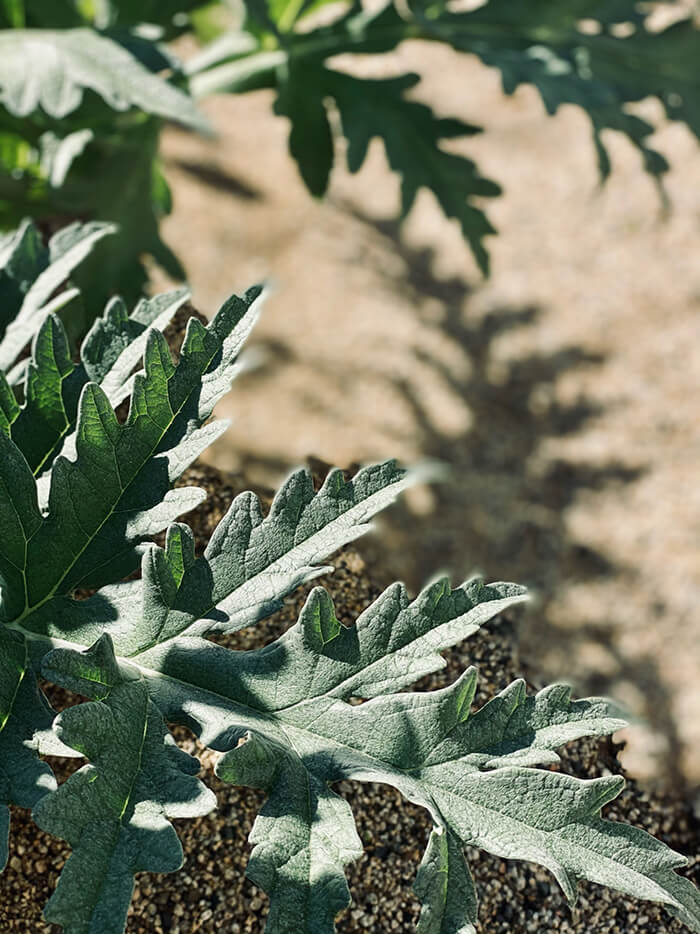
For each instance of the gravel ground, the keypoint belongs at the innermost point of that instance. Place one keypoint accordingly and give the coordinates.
(211, 894)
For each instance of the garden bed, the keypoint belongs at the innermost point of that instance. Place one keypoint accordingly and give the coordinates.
(210, 894)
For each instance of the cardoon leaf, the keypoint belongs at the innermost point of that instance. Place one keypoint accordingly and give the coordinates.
(51, 69)
(24, 778)
(30, 273)
(570, 53)
(413, 138)
(103, 501)
(108, 355)
(553, 819)
(411, 133)
(51, 396)
(304, 836)
(445, 888)
(286, 702)
(250, 564)
(114, 812)
(422, 743)
(285, 716)
(115, 343)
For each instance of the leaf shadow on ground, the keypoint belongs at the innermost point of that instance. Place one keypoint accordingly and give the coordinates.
(502, 508)
(211, 175)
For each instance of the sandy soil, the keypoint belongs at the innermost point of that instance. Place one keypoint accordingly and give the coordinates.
(561, 393)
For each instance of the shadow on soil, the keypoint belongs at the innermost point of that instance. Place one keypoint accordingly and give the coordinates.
(500, 510)
(214, 177)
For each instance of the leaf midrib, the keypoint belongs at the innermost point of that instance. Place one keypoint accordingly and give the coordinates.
(113, 509)
(356, 527)
(140, 759)
(552, 834)
(247, 717)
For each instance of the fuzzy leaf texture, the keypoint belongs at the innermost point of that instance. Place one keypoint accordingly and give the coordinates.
(114, 812)
(30, 274)
(51, 70)
(80, 115)
(114, 492)
(81, 491)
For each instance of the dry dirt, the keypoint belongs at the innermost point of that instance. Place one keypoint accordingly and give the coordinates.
(561, 393)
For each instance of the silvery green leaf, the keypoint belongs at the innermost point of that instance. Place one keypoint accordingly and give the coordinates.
(284, 716)
(250, 564)
(111, 349)
(302, 839)
(115, 343)
(445, 888)
(51, 390)
(26, 267)
(51, 69)
(292, 695)
(53, 266)
(120, 471)
(115, 811)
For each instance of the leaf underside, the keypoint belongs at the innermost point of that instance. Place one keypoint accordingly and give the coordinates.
(52, 69)
(81, 494)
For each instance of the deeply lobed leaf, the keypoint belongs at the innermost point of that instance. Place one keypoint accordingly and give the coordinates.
(250, 564)
(29, 274)
(114, 812)
(103, 502)
(458, 767)
(77, 496)
(411, 133)
(304, 836)
(602, 56)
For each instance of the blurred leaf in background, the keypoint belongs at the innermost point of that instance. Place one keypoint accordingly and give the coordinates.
(86, 85)
(81, 114)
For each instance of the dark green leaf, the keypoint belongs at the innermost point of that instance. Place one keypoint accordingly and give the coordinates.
(310, 141)
(115, 812)
(102, 503)
(24, 778)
